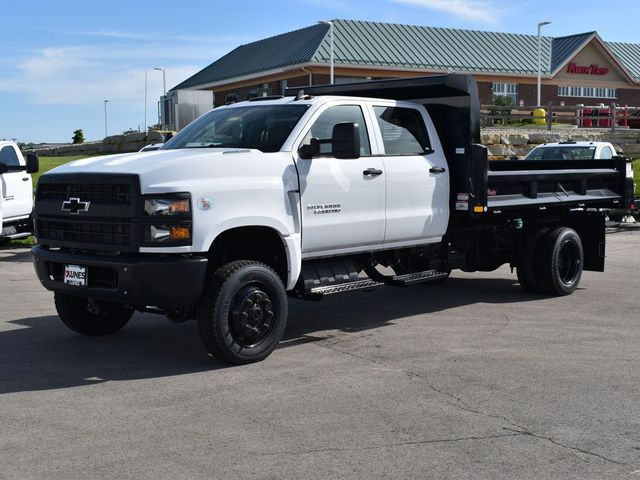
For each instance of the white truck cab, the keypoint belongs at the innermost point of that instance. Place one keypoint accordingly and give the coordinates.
(16, 191)
(306, 196)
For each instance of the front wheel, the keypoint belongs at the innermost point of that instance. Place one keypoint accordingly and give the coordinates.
(91, 318)
(243, 312)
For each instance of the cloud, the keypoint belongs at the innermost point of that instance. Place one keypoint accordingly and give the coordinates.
(87, 74)
(477, 10)
(156, 37)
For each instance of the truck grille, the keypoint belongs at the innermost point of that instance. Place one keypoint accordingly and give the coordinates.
(116, 193)
(117, 233)
(109, 217)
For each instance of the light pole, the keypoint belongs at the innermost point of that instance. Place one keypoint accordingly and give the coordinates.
(145, 101)
(331, 62)
(540, 25)
(105, 118)
(163, 114)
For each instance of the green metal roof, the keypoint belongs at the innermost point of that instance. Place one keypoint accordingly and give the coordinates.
(375, 44)
(628, 54)
(409, 46)
(290, 48)
(563, 48)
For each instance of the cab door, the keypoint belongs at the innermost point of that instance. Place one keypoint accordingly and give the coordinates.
(16, 185)
(342, 200)
(417, 176)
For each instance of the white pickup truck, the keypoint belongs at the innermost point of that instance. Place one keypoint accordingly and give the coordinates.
(305, 196)
(16, 191)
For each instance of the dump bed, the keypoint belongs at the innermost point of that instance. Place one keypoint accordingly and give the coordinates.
(478, 186)
(558, 183)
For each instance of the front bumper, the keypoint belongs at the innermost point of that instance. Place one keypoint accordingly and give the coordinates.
(137, 280)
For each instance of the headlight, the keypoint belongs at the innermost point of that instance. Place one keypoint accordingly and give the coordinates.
(167, 206)
(167, 220)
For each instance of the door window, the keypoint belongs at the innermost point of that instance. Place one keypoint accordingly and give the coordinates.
(323, 127)
(403, 131)
(9, 157)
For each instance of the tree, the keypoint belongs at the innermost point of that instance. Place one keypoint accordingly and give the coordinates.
(78, 136)
(501, 108)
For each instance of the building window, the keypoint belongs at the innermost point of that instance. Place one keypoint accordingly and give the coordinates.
(587, 92)
(506, 90)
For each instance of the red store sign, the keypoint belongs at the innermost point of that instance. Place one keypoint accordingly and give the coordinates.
(592, 69)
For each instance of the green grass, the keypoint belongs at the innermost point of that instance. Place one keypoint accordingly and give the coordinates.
(47, 163)
(636, 175)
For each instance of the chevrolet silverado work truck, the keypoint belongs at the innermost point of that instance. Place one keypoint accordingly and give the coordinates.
(16, 191)
(326, 190)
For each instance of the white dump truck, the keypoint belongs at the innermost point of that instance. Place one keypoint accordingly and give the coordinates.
(326, 190)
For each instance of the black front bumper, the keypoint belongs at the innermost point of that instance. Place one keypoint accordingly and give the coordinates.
(137, 280)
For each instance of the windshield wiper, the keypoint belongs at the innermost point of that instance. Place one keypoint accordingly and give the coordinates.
(205, 145)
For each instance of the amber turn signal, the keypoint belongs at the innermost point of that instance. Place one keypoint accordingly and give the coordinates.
(180, 233)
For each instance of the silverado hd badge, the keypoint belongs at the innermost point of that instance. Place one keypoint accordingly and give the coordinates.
(325, 208)
(74, 206)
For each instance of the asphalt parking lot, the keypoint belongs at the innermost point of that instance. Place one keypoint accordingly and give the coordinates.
(472, 379)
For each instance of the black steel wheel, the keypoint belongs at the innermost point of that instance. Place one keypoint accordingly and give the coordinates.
(562, 261)
(243, 312)
(528, 261)
(92, 318)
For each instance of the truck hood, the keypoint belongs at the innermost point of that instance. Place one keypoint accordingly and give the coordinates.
(189, 169)
(144, 163)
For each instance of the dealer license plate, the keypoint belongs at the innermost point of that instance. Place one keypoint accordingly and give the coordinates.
(75, 275)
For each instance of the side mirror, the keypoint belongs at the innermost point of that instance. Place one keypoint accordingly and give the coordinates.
(33, 162)
(513, 158)
(307, 152)
(3, 168)
(345, 140)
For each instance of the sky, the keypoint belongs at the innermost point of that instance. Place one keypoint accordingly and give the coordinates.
(60, 60)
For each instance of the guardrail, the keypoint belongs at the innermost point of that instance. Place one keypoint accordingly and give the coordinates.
(610, 117)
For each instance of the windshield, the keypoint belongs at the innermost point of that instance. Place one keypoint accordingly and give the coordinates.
(263, 127)
(562, 153)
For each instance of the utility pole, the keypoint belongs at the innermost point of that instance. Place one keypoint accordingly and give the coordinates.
(105, 118)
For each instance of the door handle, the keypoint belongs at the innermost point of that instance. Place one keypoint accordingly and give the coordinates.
(24, 179)
(372, 172)
(437, 170)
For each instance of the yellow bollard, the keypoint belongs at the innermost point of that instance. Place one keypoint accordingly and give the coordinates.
(539, 116)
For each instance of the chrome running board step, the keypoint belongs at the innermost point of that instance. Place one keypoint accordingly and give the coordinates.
(367, 284)
(418, 277)
(345, 287)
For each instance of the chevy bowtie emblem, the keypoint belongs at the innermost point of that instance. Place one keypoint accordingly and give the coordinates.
(74, 206)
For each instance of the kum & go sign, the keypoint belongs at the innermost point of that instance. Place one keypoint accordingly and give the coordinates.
(592, 69)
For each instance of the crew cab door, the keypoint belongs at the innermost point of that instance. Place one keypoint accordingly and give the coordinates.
(342, 200)
(416, 172)
(16, 185)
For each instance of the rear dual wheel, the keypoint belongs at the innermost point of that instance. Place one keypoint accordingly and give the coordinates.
(551, 261)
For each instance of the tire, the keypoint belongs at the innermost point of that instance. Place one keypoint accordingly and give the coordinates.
(75, 314)
(242, 313)
(528, 262)
(562, 261)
